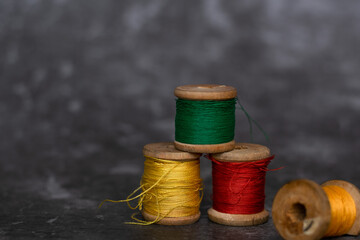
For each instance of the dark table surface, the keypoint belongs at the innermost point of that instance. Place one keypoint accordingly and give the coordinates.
(84, 85)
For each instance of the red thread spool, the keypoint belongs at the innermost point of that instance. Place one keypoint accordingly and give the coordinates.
(239, 185)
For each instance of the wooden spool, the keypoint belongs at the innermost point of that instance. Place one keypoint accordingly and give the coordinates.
(243, 152)
(301, 209)
(205, 92)
(167, 150)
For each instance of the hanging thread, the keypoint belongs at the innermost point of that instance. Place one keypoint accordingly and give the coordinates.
(343, 210)
(251, 121)
(239, 187)
(169, 189)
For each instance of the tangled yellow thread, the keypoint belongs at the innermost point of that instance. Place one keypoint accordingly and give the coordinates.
(169, 189)
(343, 210)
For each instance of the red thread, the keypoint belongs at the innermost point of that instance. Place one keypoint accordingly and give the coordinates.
(239, 187)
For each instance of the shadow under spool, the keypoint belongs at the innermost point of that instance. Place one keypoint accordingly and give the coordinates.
(243, 152)
(203, 92)
(167, 150)
(301, 209)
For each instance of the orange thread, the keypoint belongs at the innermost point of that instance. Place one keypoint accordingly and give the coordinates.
(343, 210)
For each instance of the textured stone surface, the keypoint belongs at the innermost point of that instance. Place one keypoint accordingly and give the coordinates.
(85, 84)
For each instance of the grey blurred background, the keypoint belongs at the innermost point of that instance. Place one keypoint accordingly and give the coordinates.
(85, 84)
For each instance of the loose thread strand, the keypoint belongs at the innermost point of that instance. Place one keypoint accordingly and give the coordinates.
(179, 192)
(251, 120)
(128, 199)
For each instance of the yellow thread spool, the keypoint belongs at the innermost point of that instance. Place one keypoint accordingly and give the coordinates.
(304, 210)
(174, 179)
(171, 187)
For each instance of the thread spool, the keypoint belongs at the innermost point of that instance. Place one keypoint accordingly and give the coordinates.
(199, 126)
(303, 210)
(167, 151)
(244, 154)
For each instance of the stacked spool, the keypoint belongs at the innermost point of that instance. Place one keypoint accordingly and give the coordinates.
(171, 187)
(204, 123)
(163, 195)
(238, 193)
(205, 118)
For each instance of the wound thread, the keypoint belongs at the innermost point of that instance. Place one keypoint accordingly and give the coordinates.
(205, 122)
(239, 187)
(169, 189)
(343, 210)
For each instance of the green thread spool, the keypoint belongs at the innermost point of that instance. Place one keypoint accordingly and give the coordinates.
(205, 122)
(205, 118)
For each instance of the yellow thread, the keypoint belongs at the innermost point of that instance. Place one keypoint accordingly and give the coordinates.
(343, 210)
(169, 189)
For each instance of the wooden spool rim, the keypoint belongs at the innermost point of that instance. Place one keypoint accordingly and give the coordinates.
(238, 219)
(244, 152)
(301, 209)
(167, 150)
(205, 92)
(172, 220)
(205, 148)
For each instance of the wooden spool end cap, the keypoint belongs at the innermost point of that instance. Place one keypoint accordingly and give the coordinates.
(244, 152)
(238, 219)
(172, 220)
(301, 211)
(167, 150)
(205, 148)
(355, 194)
(205, 92)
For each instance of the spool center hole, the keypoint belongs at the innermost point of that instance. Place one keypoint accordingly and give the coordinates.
(296, 221)
(297, 212)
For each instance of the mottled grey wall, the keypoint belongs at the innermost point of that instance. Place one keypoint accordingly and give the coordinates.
(85, 84)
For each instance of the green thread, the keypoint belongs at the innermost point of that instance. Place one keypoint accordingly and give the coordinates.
(251, 120)
(205, 121)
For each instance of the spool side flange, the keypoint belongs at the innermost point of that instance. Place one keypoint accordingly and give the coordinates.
(244, 152)
(205, 148)
(205, 92)
(167, 150)
(172, 220)
(301, 211)
(238, 219)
